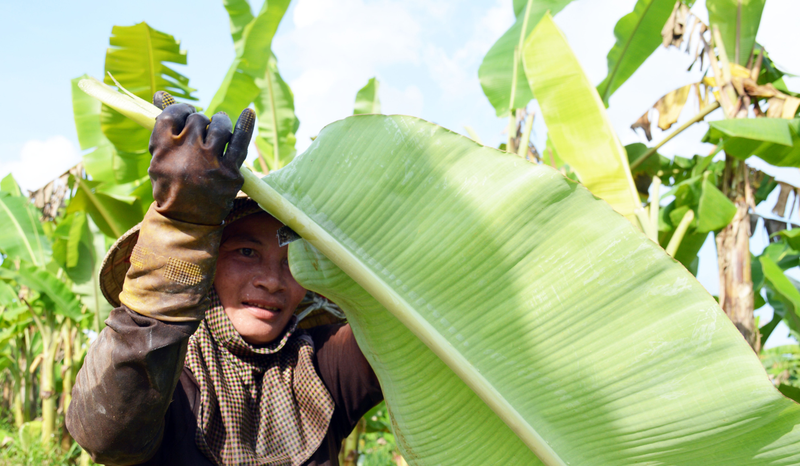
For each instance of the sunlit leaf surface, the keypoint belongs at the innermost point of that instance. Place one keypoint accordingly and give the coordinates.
(577, 122)
(464, 270)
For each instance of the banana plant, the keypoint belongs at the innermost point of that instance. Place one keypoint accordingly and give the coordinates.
(638, 35)
(511, 308)
(576, 119)
(501, 74)
(738, 22)
(253, 77)
(367, 100)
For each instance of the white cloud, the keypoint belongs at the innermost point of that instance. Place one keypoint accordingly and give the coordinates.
(41, 161)
(456, 73)
(335, 47)
(408, 101)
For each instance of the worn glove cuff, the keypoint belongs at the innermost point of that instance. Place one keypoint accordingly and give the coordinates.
(172, 269)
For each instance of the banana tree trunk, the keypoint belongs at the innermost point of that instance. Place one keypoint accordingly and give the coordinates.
(349, 454)
(68, 338)
(733, 254)
(47, 387)
(19, 400)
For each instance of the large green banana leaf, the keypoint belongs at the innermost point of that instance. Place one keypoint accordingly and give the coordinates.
(496, 72)
(276, 118)
(367, 100)
(103, 163)
(39, 279)
(576, 119)
(775, 140)
(736, 19)
(72, 247)
(483, 283)
(786, 292)
(240, 16)
(137, 60)
(111, 214)
(509, 313)
(254, 77)
(89, 292)
(21, 234)
(239, 88)
(638, 35)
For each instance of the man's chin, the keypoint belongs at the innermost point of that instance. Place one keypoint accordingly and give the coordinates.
(256, 326)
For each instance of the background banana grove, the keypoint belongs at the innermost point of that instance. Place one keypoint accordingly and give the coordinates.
(55, 237)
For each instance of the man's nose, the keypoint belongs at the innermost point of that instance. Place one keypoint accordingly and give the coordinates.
(268, 277)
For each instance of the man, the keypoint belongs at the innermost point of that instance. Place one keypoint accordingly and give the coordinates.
(197, 367)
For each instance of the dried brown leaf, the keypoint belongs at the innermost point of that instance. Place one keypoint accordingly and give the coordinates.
(765, 91)
(644, 123)
(50, 197)
(775, 109)
(790, 105)
(670, 106)
(675, 28)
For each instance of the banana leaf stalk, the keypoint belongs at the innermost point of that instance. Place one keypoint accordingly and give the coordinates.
(512, 317)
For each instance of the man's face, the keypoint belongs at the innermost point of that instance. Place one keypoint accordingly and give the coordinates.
(253, 280)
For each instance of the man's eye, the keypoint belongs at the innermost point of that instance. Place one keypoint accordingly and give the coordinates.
(247, 252)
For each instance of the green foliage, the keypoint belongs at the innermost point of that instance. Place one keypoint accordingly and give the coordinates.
(775, 140)
(738, 22)
(638, 35)
(367, 100)
(496, 70)
(576, 119)
(72, 247)
(470, 349)
(39, 279)
(437, 383)
(137, 60)
(22, 235)
(113, 214)
(253, 77)
(377, 446)
(276, 118)
(252, 42)
(783, 366)
(23, 447)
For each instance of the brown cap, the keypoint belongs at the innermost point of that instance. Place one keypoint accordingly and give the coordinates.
(314, 310)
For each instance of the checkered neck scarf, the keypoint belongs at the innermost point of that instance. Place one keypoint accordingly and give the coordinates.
(258, 405)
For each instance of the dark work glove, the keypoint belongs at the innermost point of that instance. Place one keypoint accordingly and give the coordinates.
(195, 179)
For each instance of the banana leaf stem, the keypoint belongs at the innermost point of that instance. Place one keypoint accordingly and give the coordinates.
(697, 118)
(654, 205)
(522, 150)
(675, 241)
(512, 115)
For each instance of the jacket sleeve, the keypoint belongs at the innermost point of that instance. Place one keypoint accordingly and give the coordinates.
(348, 376)
(125, 386)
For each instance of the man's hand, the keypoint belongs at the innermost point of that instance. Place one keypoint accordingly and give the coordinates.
(195, 179)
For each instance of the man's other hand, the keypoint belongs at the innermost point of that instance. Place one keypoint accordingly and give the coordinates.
(195, 178)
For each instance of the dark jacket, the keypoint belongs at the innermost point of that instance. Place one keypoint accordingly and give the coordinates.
(134, 402)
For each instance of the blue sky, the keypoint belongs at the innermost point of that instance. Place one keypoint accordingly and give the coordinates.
(426, 55)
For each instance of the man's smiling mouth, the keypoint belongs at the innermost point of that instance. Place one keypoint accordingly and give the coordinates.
(262, 306)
